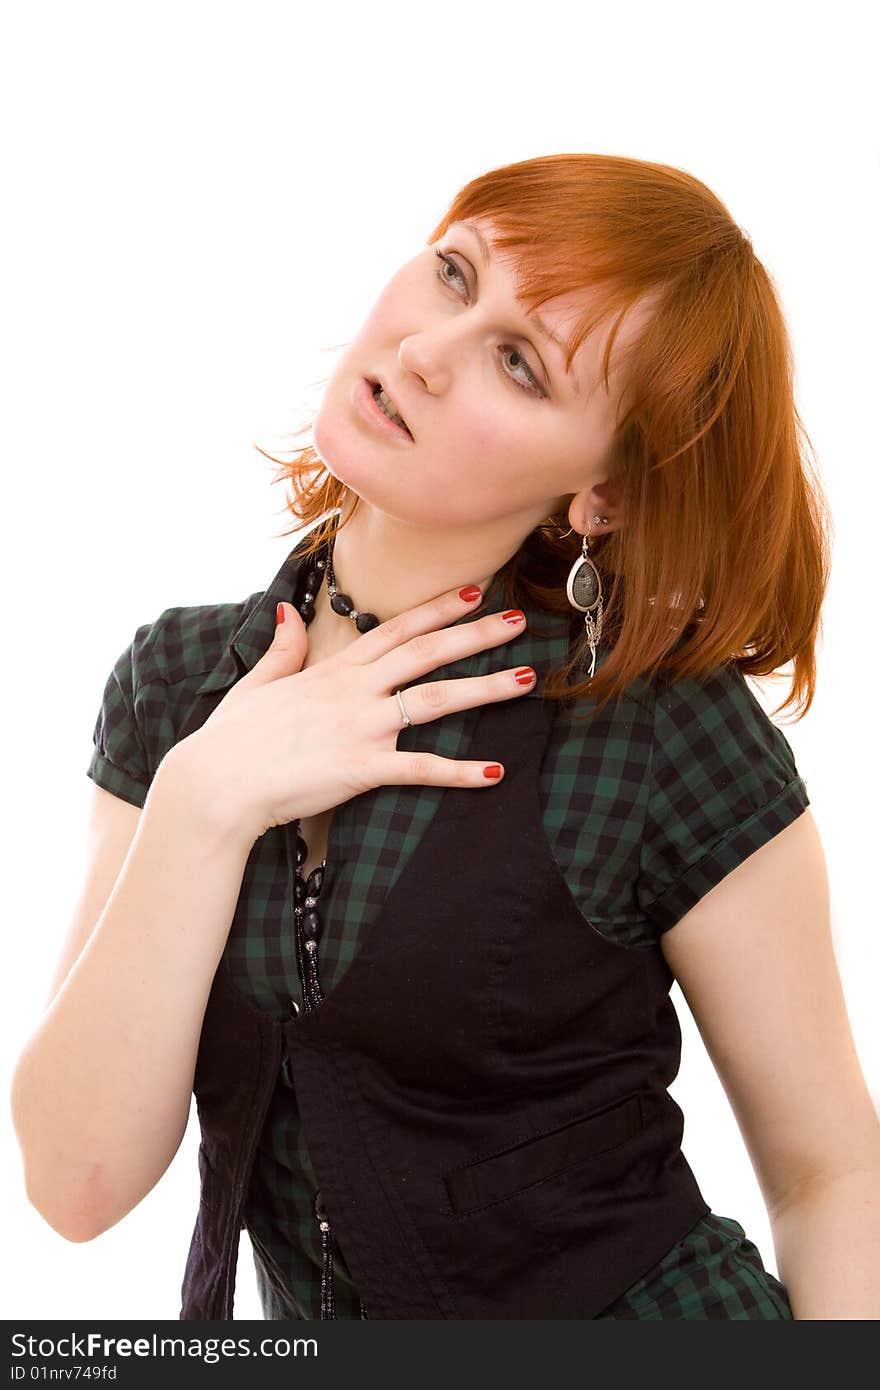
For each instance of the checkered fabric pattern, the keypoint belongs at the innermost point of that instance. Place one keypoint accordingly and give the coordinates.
(646, 807)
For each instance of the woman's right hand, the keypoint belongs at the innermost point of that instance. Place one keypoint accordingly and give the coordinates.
(286, 743)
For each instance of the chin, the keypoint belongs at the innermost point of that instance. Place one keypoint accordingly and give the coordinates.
(331, 445)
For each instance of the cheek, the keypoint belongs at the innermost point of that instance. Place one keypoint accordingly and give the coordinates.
(488, 430)
(486, 463)
(386, 319)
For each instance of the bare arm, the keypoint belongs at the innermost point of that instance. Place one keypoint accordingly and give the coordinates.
(755, 960)
(101, 1092)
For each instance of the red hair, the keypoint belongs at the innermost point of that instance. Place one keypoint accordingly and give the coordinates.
(724, 550)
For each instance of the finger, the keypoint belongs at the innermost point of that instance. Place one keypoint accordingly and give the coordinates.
(437, 698)
(430, 770)
(413, 622)
(285, 653)
(430, 651)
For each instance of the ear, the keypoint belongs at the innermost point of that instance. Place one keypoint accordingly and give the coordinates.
(599, 499)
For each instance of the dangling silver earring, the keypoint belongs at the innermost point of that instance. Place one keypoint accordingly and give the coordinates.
(584, 592)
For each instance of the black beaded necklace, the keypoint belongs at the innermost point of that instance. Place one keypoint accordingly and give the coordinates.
(340, 603)
(306, 893)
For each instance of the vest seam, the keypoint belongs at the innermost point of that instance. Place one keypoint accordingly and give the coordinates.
(410, 1237)
(242, 1169)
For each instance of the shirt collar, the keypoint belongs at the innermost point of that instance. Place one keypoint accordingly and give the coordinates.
(253, 636)
(543, 644)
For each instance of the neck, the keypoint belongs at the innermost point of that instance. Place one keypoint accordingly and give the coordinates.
(387, 567)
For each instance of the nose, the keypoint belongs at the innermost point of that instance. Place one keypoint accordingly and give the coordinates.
(426, 355)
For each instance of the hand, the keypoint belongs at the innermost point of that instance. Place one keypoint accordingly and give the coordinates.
(286, 743)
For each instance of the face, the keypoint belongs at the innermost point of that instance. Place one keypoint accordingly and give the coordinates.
(500, 432)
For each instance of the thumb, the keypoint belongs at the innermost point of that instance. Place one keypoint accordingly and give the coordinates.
(287, 650)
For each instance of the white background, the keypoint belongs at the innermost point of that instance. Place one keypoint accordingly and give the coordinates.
(201, 203)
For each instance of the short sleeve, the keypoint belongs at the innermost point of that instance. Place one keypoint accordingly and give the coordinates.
(723, 782)
(119, 761)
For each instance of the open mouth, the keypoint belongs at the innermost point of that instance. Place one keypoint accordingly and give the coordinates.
(387, 407)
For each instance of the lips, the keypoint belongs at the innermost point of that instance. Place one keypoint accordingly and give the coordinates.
(374, 382)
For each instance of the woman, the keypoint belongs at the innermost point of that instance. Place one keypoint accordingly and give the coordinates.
(430, 1036)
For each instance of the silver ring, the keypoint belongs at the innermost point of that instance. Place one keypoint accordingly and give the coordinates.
(406, 718)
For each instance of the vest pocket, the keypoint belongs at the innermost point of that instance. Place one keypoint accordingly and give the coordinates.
(518, 1166)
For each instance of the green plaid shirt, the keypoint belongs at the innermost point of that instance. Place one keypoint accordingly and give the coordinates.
(646, 807)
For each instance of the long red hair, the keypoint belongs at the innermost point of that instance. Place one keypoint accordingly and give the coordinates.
(724, 553)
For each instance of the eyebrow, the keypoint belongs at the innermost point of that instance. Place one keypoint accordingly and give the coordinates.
(487, 257)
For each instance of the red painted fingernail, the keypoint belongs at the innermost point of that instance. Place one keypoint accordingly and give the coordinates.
(525, 675)
(468, 594)
(513, 615)
(493, 770)
(279, 614)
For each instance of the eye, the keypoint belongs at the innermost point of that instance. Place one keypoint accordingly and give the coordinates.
(446, 263)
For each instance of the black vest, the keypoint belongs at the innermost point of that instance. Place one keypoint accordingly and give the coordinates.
(483, 1094)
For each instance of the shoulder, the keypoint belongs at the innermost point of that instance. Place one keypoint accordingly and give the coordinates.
(663, 792)
(715, 726)
(186, 642)
(152, 686)
(724, 781)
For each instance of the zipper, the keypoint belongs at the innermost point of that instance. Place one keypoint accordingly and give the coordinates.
(328, 1301)
(307, 925)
